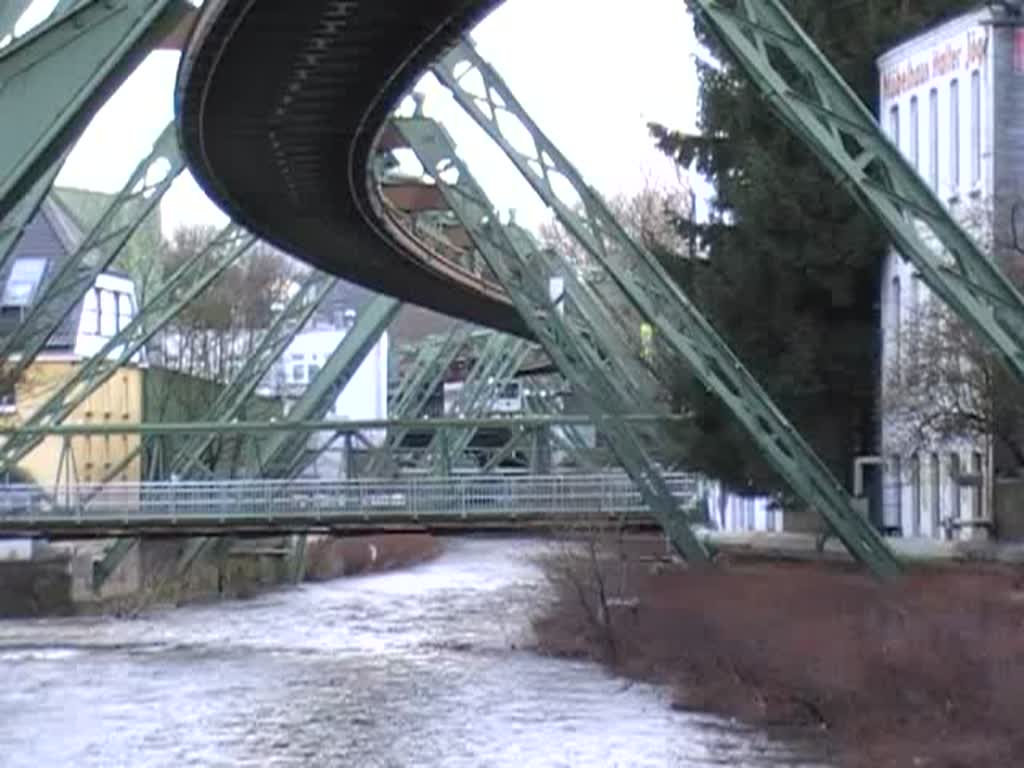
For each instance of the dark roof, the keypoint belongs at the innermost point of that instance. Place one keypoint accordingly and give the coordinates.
(52, 234)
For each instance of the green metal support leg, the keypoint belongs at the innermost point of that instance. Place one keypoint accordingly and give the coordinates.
(662, 303)
(229, 403)
(285, 453)
(579, 356)
(816, 103)
(57, 76)
(77, 274)
(180, 288)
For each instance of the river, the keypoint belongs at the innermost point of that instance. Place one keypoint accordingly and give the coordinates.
(422, 667)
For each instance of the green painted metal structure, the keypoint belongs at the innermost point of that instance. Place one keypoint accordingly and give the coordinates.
(286, 325)
(286, 454)
(77, 274)
(55, 78)
(811, 97)
(660, 301)
(578, 356)
(57, 75)
(179, 289)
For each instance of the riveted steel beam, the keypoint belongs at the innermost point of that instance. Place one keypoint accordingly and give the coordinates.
(811, 97)
(659, 301)
(55, 78)
(78, 273)
(180, 288)
(578, 356)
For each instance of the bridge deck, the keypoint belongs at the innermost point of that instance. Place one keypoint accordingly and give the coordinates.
(289, 159)
(257, 507)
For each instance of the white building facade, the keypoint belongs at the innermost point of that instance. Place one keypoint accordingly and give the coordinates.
(945, 99)
(364, 398)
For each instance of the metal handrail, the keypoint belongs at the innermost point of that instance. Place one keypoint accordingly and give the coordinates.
(421, 498)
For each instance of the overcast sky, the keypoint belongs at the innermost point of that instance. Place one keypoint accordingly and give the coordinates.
(592, 73)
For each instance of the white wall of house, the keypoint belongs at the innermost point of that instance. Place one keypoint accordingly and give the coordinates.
(937, 96)
(364, 398)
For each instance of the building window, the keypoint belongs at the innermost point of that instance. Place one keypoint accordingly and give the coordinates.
(914, 529)
(894, 124)
(313, 371)
(975, 128)
(897, 329)
(8, 396)
(896, 517)
(23, 282)
(297, 372)
(915, 128)
(954, 473)
(954, 137)
(108, 314)
(124, 310)
(96, 294)
(933, 138)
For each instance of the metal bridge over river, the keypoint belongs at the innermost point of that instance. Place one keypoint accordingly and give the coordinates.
(292, 118)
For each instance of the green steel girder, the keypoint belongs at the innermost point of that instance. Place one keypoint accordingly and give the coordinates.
(577, 355)
(54, 78)
(285, 452)
(567, 436)
(232, 399)
(180, 288)
(416, 392)
(77, 274)
(811, 97)
(486, 377)
(104, 568)
(663, 304)
(585, 305)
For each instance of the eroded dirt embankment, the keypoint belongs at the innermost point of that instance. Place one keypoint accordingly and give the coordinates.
(929, 672)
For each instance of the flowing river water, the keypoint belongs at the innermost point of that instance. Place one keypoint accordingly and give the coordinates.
(421, 667)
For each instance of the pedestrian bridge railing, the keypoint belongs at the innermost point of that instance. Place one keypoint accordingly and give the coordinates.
(424, 500)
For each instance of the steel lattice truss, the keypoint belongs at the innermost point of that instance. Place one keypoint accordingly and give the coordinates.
(822, 110)
(659, 300)
(579, 357)
(78, 273)
(178, 290)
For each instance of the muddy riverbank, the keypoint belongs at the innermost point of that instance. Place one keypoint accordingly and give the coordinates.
(926, 673)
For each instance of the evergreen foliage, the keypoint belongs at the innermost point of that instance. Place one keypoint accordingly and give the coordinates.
(793, 266)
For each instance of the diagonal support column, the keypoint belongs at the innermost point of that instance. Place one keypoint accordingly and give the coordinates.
(285, 452)
(578, 355)
(414, 394)
(187, 282)
(57, 76)
(662, 303)
(13, 225)
(478, 391)
(77, 274)
(811, 97)
(229, 403)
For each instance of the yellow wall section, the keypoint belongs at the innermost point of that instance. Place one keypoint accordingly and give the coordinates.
(118, 400)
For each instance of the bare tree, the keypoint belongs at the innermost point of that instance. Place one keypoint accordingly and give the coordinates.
(947, 384)
(213, 335)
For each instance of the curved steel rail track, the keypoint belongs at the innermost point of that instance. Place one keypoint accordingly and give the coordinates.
(283, 110)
